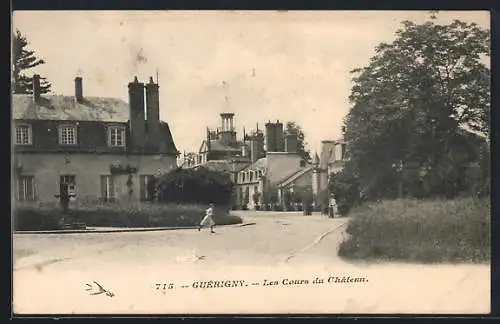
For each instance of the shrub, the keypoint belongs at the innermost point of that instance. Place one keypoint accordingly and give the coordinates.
(193, 186)
(114, 215)
(417, 230)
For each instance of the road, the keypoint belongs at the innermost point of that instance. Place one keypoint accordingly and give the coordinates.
(287, 250)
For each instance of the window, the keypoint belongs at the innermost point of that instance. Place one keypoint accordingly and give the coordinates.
(108, 192)
(344, 148)
(23, 135)
(116, 136)
(243, 177)
(67, 135)
(26, 188)
(145, 190)
(251, 175)
(70, 182)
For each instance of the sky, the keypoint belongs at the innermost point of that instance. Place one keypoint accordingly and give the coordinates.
(287, 66)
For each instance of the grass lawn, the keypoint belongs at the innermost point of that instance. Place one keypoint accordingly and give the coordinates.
(426, 231)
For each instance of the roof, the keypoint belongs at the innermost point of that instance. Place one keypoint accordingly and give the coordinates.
(220, 165)
(167, 143)
(294, 176)
(216, 145)
(260, 164)
(58, 107)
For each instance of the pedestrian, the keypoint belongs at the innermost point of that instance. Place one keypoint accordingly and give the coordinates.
(208, 220)
(332, 206)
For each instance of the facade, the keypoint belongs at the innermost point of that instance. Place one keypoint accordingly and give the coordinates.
(100, 149)
(331, 160)
(257, 163)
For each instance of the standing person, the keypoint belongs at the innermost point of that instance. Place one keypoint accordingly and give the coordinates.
(332, 206)
(208, 219)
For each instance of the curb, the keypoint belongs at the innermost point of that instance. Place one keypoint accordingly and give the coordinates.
(120, 230)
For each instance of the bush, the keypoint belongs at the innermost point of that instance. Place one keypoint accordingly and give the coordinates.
(193, 186)
(418, 230)
(114, 215)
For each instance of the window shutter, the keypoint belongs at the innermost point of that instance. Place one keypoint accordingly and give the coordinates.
(103, 188)
(142, 184)
(111, 187)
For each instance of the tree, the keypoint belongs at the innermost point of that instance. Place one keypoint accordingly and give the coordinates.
(22, 60)
(414, 107)
(199, 185)
(293, 128)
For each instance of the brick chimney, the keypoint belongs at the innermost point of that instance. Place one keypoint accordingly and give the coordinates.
(78, 89)
(137, 119)
(291, 143)
(153, 112)
(36, 87)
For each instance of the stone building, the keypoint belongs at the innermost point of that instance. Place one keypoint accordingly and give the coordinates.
(258, 162)
(331, 160)
(99, 148)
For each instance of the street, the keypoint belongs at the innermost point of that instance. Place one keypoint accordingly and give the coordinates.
(284, 262)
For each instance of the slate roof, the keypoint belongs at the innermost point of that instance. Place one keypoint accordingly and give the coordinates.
(58, 107)
(220, 165)
(294, 176)
(216, 145)
(260, 164)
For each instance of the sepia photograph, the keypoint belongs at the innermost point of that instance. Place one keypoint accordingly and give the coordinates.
(250, 162)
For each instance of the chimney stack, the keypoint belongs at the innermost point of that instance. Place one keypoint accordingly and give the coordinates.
(153, 112)
(36, 87)
(78, 89)
(291, 143)
(137, 120)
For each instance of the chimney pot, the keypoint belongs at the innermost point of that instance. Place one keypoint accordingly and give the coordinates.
(136, 80)
(36, 87)
(79, 89)
(151, 80)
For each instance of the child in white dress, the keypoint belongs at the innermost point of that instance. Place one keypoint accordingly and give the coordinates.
(208, 220)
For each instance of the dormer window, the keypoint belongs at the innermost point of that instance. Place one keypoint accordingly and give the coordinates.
(116, 136)
(67, 135)
(24, 135)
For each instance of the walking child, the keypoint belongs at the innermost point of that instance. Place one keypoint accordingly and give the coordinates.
(208, 220)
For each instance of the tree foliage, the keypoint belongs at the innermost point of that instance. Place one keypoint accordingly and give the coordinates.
(294, 128)
(24, 59)
(420, 112)
(200, 185)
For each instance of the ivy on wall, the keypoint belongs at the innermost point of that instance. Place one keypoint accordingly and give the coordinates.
(120, 169)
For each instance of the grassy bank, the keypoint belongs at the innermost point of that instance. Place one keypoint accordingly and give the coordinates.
(422, 231)
(48, 217)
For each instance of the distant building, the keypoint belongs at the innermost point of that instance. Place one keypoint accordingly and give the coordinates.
(98, 148)
(331, 160)
(260, 165)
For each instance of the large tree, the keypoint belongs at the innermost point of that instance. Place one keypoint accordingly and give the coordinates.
(24, 59)
(414, 106)
(294, 128)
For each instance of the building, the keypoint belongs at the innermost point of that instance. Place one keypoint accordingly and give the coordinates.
(260, 165)
(331, 160)
(100, 149)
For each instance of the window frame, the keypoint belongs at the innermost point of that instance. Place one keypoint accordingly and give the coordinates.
(21, 180)
(60, 134)
(30, 134)
(109, 182)
(120, 131)
(143, 186)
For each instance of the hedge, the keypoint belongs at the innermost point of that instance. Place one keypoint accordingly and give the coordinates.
(114, 215)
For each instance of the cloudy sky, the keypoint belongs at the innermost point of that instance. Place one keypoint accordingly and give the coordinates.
(276, 65)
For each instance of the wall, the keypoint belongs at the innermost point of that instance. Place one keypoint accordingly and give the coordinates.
(88, 168)
(281, 165)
